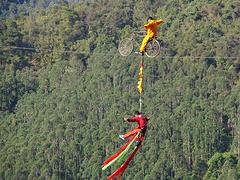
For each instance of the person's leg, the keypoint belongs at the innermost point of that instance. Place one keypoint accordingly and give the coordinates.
(131, 133)
(144, 43)
(140, 139)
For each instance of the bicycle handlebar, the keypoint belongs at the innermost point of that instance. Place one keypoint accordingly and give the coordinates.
(138, 33)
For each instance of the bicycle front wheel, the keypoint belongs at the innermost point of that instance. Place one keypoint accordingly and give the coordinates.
(153, 48)
(125, 47)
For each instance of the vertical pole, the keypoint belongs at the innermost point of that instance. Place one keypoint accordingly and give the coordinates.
(140, 95)
(140, 104)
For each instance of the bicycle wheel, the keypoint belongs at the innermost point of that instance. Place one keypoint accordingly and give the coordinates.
(153, 48)
(125, 47)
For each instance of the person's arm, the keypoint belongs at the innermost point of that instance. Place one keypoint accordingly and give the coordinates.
(132, 119)
(148, 118)
(159, 21)
(146, 25)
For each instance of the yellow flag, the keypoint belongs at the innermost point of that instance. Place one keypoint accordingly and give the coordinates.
(140, 79)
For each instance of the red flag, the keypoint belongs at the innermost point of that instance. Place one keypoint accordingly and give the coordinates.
(119, 172)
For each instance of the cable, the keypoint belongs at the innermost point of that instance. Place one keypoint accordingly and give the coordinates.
(163, 57)
(201, 57)
(35, 49)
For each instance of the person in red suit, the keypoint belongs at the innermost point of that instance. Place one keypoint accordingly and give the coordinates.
(142, 121)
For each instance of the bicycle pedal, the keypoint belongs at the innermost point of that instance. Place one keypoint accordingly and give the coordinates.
(139, 53)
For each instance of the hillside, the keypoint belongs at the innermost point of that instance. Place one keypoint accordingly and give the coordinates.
(64, 89)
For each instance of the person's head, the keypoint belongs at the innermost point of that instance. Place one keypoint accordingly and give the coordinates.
(149, 18)
(137, 113)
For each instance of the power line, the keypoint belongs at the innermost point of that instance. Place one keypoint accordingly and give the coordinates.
(201, 57)
(162, 57)
(35, 49)
(26, 48)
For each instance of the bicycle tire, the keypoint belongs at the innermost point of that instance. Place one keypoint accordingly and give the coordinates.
(152, 48)
(125, 47)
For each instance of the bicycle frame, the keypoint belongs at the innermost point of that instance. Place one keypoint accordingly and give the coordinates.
(137, 34)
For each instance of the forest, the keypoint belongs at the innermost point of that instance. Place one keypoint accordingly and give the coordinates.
(65, 89)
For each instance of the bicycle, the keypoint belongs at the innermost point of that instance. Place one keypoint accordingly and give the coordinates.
(126, 46)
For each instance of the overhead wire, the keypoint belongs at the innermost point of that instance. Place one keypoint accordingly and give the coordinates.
(36, 49)
(162, 57)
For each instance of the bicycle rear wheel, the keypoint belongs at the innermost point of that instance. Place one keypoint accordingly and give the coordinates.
(125, 47)
(153, 48)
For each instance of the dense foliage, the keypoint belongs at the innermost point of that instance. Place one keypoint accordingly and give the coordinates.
(64, 95)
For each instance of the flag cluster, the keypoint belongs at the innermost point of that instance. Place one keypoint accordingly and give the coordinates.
(119, 156)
